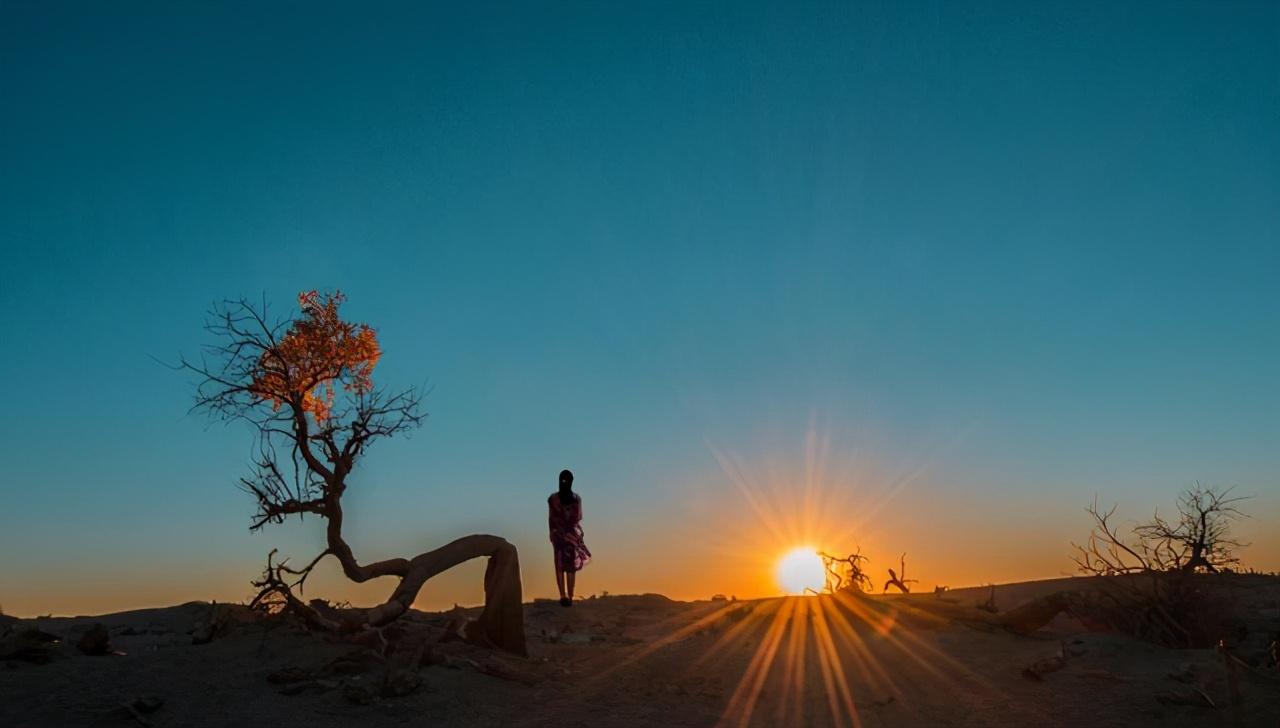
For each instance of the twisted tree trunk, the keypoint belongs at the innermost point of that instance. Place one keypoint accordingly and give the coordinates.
(500, 625)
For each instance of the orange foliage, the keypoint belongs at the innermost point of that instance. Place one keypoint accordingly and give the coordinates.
(318, 350)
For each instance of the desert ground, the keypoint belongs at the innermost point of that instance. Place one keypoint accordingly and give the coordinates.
(642, 660)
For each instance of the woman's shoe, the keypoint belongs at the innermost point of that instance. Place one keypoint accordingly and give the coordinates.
(566, 602)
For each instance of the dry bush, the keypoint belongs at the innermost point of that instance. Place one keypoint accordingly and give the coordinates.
(1159, 584)
(1174, 609)
(1199, 539)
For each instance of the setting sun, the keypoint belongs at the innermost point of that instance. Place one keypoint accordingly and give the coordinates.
(801, 569)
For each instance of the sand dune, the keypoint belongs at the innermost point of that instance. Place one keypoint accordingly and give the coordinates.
(639, 660)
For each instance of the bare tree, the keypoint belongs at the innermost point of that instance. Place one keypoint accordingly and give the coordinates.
(845, 572)
(1198, 540)
(305, 386)
(1107, 552)
(1157, 591)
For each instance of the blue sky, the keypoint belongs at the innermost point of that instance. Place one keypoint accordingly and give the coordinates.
(1026, 251)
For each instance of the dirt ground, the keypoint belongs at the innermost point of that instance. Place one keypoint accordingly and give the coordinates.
(638, 661)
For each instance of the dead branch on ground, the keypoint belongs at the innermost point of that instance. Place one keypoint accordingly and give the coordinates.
(900, 581)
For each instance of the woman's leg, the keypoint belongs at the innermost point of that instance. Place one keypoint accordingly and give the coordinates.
(570, 577)
(560, 578)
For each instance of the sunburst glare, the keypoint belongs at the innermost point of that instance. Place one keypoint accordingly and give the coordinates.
(801, 571)
(824, 658)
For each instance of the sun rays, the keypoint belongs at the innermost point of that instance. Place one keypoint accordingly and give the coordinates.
(811, 658)
(819, 659)
(827, 498)
(812, 638)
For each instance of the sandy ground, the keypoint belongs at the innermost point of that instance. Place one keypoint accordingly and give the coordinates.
(639, 660)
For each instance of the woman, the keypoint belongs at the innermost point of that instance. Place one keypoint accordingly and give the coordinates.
(564, 516)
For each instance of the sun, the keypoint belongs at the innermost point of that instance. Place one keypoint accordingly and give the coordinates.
(801, 569)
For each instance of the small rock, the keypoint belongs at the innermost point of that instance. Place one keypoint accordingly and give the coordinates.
(208, 625)
(358, 694)
(1038, 669)
(95, 641)
(400, 684)
(202, 634)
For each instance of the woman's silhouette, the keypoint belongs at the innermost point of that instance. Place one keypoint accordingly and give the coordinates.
(564, 517)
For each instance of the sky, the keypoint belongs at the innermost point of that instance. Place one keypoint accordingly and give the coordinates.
(909, 277)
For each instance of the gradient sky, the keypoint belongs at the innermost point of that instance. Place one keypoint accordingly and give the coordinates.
(950, 270)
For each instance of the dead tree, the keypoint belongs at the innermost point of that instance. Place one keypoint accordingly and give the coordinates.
(900, 581)
(1153, 587)
(845, 572)
(305, 387)
(1198, 540)
(1107, 553)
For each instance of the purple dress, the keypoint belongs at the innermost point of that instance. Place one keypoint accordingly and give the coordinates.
(565, 522)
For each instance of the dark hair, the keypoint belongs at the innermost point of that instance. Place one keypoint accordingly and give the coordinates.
(566, 488)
